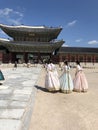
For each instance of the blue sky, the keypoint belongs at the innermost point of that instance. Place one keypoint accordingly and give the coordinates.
(79, 18)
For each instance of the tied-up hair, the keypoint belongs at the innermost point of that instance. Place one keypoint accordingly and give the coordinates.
(49, 61)
(66, 63)
(77, 62)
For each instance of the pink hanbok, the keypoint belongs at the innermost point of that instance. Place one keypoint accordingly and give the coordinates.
(80, 81)
(51, 80)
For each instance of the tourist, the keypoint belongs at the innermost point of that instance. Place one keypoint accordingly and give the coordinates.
(80, 81)
(1, 78)
(51, 80)
(66, 83)
(15, 65)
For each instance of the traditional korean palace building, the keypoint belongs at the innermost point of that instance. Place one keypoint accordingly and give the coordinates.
(83, 54)
(37, 43)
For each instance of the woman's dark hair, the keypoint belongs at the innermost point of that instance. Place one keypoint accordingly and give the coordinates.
(66, 62)
(77, 62)
(49, 61)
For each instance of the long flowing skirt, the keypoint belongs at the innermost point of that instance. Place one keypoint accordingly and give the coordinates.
(52, 81)
(1, 77)
(80, 82)
(66, 83)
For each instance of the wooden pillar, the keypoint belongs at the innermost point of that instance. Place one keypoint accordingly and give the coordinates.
(1, 56)
(39, 56)
(91, 59)
(60, 58)
(10, 57)
(83, 58)
(25, 57)
(78, 57)
(69, 58)
(75, 58)
(94, 59)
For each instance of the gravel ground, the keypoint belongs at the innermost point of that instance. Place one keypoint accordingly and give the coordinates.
(59, 111)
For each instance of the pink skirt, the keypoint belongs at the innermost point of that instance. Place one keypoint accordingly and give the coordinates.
(80, 82)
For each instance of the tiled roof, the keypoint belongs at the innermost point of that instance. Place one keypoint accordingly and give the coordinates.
(78, 50)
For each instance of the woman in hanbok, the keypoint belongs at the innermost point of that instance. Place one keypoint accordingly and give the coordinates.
(66, 82)
(51, 80)
(80, 81)
(1, 77)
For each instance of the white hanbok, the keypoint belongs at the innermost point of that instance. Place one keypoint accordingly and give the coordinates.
(51, 80)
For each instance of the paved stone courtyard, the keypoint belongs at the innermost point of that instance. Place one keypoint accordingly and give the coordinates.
(17, 96)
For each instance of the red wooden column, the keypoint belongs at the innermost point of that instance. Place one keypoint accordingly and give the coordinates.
(25, 57)
(1, 56)
(60, 58)
(85, 59)
(91, 59)
(10, 57)
(94, 59)
(78, 58)
(69, 58)
(82, 58)
(39, 56)
(75, 58)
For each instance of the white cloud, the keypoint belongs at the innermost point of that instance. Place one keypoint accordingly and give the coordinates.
(10, 16)
(65, 45)
(78, 40)
(93, 42)
(5, 12)
(15, 21)
(72, 23)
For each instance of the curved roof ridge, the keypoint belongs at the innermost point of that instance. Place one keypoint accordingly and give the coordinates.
(4, 39)
(21, 26)
(25, 26)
